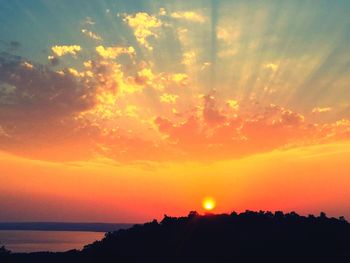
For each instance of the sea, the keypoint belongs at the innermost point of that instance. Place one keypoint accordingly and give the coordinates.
(55, 241)
(53, 236)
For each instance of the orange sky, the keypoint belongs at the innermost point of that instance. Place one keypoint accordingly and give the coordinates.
(306, 180)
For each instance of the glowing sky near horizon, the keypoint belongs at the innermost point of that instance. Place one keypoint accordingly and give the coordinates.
(126, 110)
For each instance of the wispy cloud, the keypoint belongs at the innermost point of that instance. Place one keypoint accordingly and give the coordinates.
(91, 34)
(189, 16)
(321, 110)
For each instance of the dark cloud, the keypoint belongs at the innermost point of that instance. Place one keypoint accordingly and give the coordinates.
(30, 92)
(11, 46)
(14, 45)
(54, 61)
(40, 107)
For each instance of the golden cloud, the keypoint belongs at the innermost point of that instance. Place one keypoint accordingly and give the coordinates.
(189, 58)
(233, 104)
(189, 16)
(168, 98)
(114, 52)
(321, 110)
(102, 95)
(63, 50)
(272, 66)
(180, 78)
(144, 26)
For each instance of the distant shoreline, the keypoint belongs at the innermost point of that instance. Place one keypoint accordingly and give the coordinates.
(63, 226)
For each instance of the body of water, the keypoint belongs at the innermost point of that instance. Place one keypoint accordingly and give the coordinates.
(32, 241)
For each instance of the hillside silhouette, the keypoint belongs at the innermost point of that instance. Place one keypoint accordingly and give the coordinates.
(245, 237)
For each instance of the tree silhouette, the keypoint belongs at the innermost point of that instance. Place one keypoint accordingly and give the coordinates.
(245, 237)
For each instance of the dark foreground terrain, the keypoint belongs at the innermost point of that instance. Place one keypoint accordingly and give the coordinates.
(246, 237)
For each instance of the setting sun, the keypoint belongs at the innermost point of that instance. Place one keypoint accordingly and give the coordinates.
(208, 204)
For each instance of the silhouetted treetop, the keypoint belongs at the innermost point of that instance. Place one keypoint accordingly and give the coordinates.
(246, 237)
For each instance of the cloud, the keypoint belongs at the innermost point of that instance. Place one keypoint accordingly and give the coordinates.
(169, 98)
(321, 110)
(99, 109)
(91, 34)
(144, 26)
(291, 118)
(54, 61)
(162, 12)
(37, 86)
(3, 133)
(180, 78)
(211, 113)
(189, 16)
(14, 45)
(105, 72)
(228, 34)
(38, 105)
(211, 133)
(63, 50)
(228, 37)
(272, 66)
(27, 65)
(183, 35)
(205, 65)
(233, 104)
(146, 76)
(116, 103)
(132, 111)
(189, 58)
(114, 52)
(89, 21)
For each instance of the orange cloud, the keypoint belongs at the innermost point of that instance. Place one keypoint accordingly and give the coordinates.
(104, 111)
(111, 105)
(213, 134)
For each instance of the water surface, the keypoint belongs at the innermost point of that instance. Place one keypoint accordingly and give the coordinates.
(32, 241)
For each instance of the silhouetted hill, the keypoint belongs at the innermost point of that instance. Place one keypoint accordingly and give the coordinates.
(246, 237)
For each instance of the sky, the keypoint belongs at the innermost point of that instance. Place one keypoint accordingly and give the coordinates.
(123, 111)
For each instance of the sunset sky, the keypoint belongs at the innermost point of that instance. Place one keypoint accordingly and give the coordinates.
(123, 111)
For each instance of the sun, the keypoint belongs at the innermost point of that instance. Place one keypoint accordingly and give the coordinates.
(208, 203)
